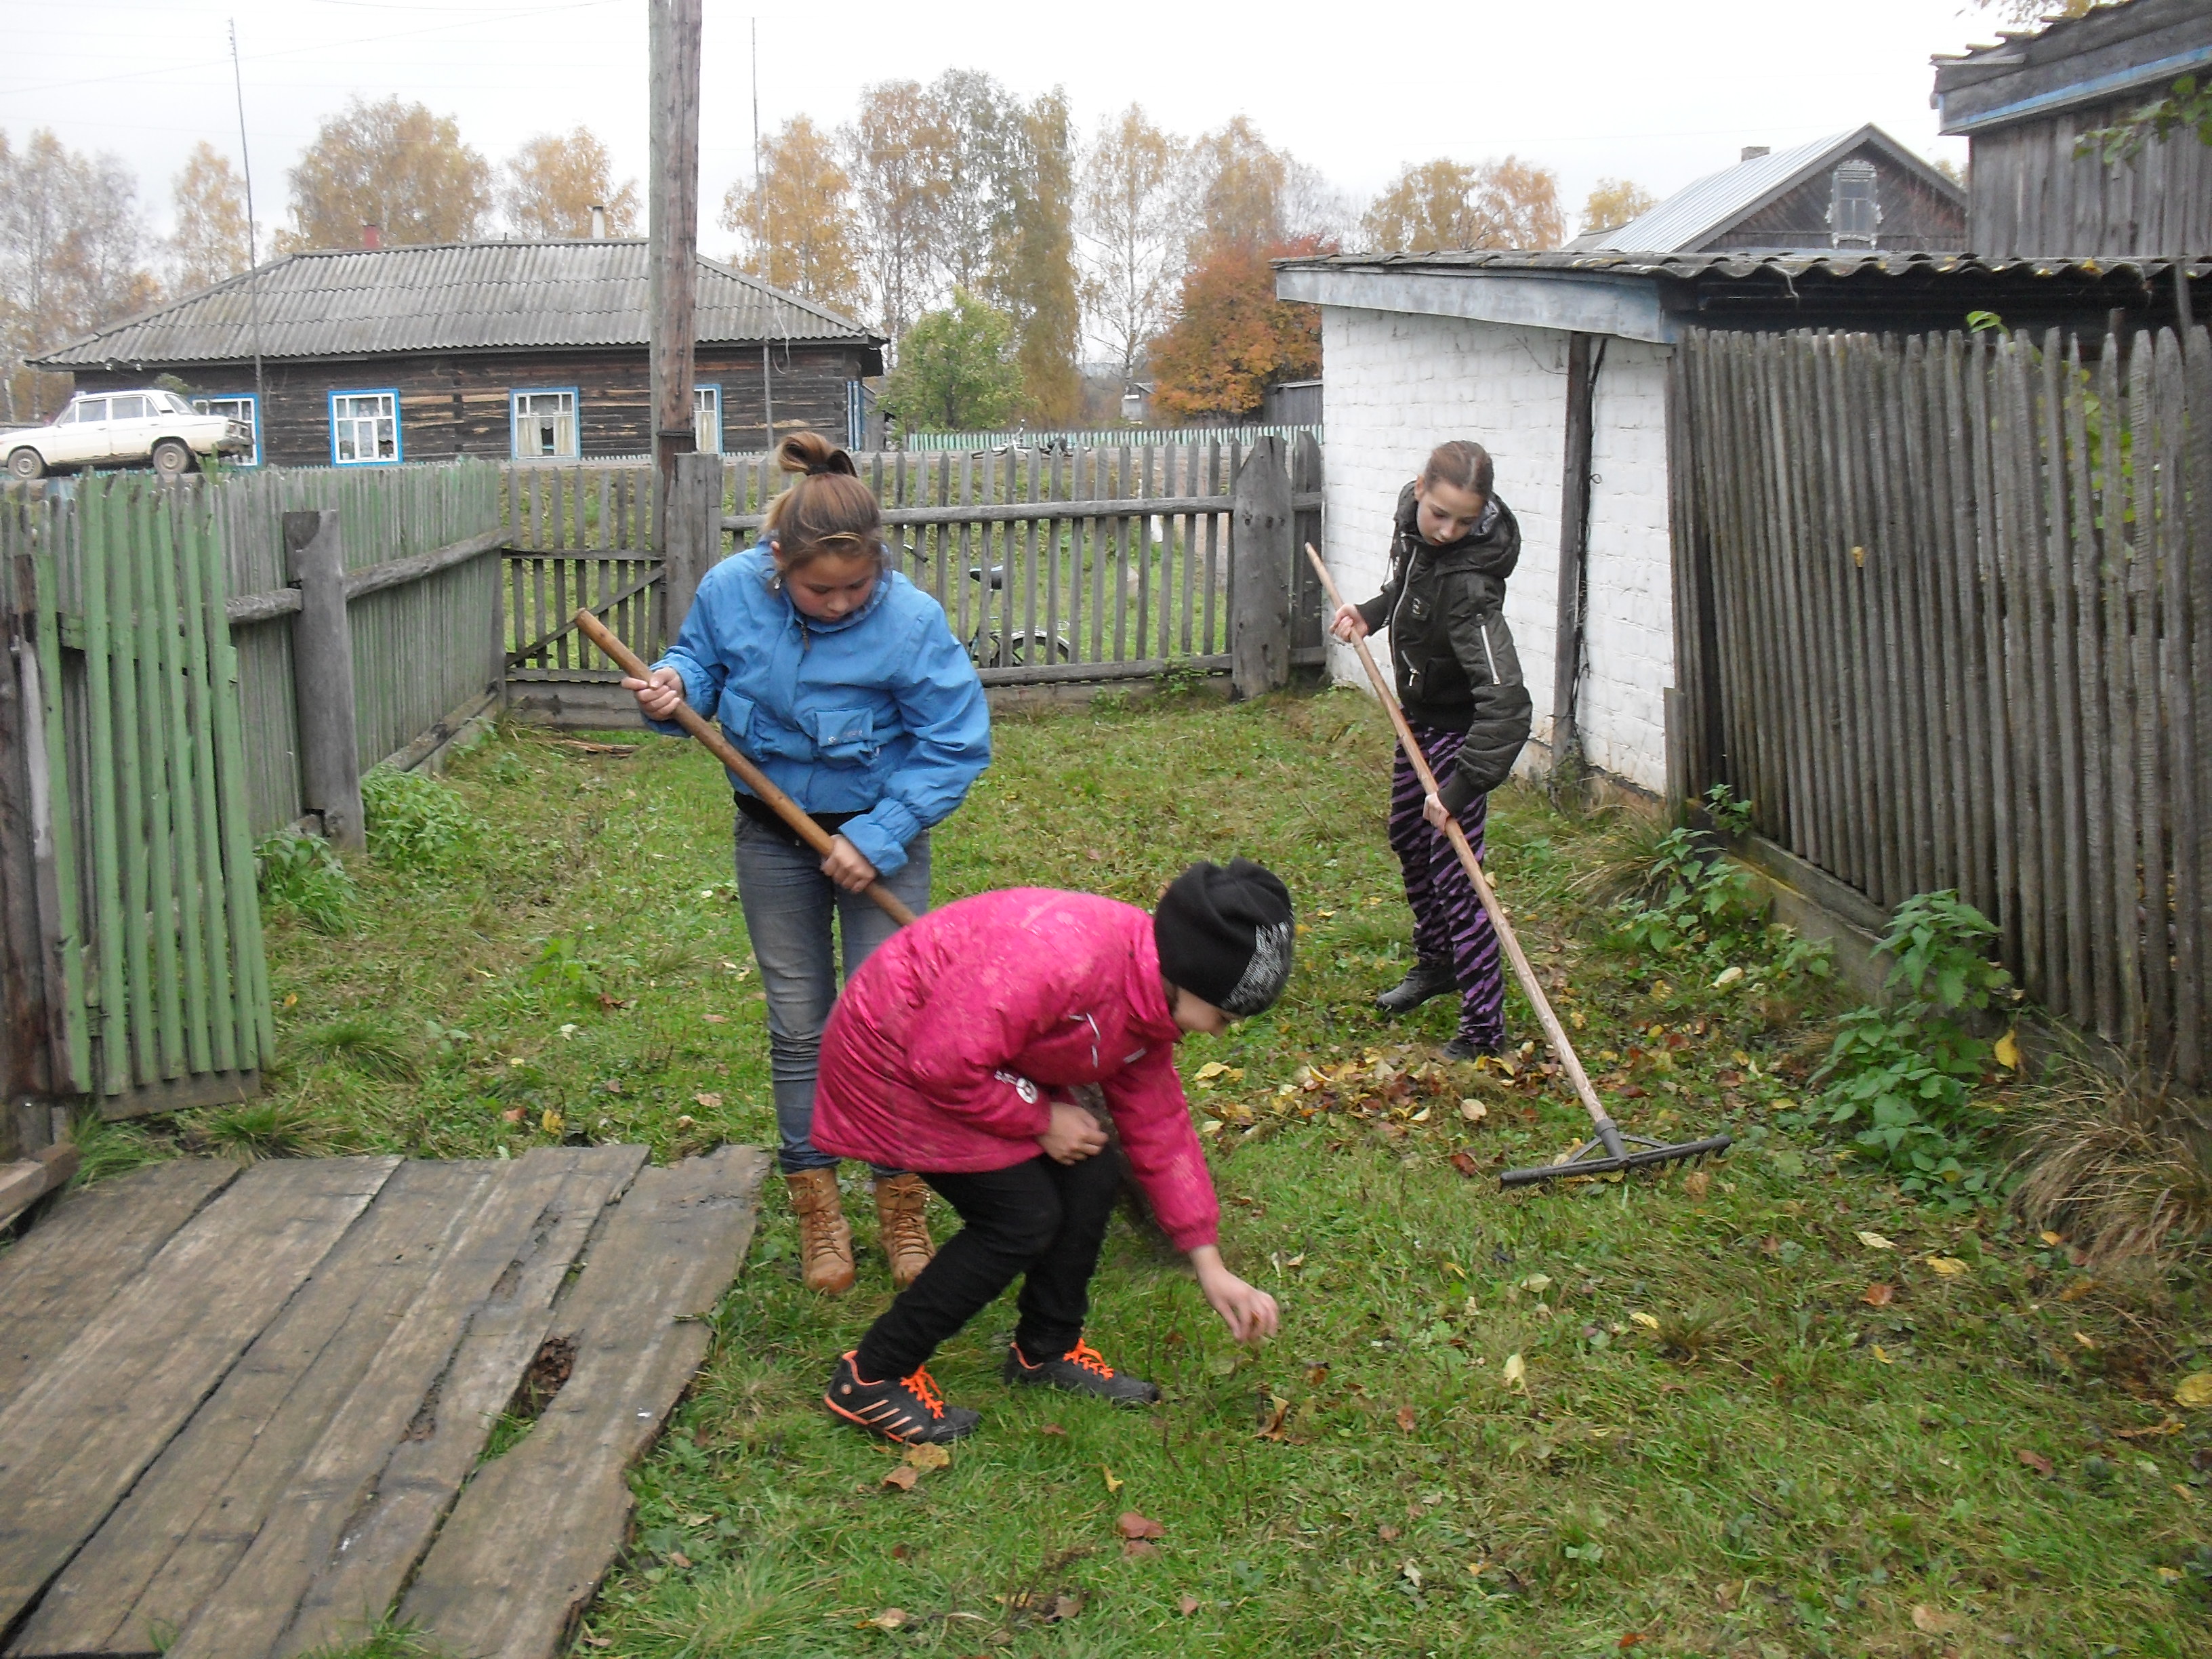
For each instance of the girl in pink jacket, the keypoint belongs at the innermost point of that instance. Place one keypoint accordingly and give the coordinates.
(949, 1054)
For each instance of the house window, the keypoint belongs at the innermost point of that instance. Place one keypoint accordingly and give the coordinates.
(707, 419)
(545, 426)
(245, 409)
(365, 428)
(1854, 214)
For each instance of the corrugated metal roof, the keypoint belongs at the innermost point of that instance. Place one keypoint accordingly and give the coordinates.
(456, 296)
(1733, 263)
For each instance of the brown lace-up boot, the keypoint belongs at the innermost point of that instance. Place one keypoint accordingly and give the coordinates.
(825, 1242)
(900, 1200)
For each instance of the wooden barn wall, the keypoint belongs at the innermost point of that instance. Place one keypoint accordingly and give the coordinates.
(1914, 214)
(457, 405)
(2032, 198)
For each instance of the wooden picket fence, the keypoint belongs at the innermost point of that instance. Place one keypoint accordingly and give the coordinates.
(1108, 562)
(1944, 615)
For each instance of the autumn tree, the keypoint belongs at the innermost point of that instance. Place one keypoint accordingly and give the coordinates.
(979, 129)
(1239, 193)
(72, 260)
(797, 223)
(549, 187)
(1135, 220)
(896, 158)
(1450, 204)
(1033, 274)
(393, 164)
(210, 242)
(958, 370)
(1613, 203)
(1232, 338)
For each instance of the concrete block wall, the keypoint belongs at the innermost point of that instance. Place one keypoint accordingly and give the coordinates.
(1394, 385)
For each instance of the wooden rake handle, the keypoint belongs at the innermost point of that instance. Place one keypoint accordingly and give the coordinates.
(1554, 1033)
(726, 752)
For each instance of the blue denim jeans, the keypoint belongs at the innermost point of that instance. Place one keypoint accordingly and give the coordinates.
(789, 903)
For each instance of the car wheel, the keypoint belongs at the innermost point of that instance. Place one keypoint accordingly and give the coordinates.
(26, 463)
(171, 458)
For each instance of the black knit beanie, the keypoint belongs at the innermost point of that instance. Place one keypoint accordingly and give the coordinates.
(1224, 935)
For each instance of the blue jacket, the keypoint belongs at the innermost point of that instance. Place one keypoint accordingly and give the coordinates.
(880, 713)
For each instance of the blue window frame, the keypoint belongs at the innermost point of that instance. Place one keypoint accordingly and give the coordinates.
(243, 407)
(542, 423)
(707, 419)
(365, 428)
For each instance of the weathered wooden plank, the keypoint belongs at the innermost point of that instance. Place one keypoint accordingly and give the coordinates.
(373, 1360)
(175, 1538)
(2150, 782)
(2119, 700)
(388, 1532)
(70, 1267)
(74, 1440)
(536, 1530)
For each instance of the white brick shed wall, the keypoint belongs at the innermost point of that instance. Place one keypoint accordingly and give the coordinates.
(1394, 385)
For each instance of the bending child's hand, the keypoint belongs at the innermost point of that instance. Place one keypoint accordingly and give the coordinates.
(1074, 1135)
(659, 695)
(846, 867)
(1348, 624)
(1250, 1314)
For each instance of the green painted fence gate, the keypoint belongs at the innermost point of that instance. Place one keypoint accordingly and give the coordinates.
(134, 968)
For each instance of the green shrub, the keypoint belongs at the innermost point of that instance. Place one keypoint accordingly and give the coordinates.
(417, 823)
(302, 874)
(1901, 1080)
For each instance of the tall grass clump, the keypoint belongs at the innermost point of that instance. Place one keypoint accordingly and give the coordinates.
(2122, 1166)
(417, 823)
(301, 874)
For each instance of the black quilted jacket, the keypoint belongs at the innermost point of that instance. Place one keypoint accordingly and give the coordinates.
(1456, 668)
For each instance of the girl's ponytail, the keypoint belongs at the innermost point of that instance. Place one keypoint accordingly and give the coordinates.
(827, 510)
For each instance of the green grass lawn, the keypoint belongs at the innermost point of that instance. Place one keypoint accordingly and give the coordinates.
(1669, 1412)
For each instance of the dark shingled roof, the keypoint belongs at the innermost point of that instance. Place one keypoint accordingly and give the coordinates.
(1730, 263)
(454, 296)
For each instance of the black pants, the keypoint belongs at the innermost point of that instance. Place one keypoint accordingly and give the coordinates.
(1041, 1219)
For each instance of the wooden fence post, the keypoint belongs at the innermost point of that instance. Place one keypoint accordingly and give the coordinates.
(322, 677)
(1309, 627)
(691, 525)
(1260, 555)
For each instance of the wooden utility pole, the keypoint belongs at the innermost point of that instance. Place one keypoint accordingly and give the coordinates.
(673, 227)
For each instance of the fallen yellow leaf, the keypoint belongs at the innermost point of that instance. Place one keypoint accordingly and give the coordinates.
(2086, 1340)
(1516, 1372)
(1875, 1242)
(890, 1619)
(1948, 1266)
(2008, 1050)
(1882, 1355)
(1474, 1110)
(2195, 1391)
(1927, 1621)
(1113, 1482)
(928, 1455)
(550, 1122)
(1650, 1322)
(2049, 1237)
(1212, 1069)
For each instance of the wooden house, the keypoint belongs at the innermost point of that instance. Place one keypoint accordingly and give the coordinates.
(2036, 189)
(1858, 189)
(529, 350)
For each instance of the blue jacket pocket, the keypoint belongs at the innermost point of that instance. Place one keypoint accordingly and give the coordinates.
(843, 734)
(735, 712)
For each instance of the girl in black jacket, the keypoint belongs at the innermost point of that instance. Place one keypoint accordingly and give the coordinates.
(1444, 604)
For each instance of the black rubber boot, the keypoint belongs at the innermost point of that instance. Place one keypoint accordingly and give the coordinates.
(908, 1409)
(1431, 976)
(1462, 1048)
(1081, 1370)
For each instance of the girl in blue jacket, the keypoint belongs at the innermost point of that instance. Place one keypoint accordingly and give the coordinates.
(842, 681)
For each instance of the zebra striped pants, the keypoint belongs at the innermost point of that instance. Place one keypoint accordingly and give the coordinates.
(1449, 919)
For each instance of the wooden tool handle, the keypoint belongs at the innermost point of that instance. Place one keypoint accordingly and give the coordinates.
(1554, 1033)
(724, 751)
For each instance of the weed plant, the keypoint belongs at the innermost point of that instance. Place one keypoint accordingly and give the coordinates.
(418, 823)
(302, 875)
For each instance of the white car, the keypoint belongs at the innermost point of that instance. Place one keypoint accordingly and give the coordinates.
(122, 429)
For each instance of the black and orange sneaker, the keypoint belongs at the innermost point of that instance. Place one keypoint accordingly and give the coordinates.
(1081, 1370)
(908, 1409)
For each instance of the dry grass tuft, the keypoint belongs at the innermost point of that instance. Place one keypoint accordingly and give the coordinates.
(2121, 1165)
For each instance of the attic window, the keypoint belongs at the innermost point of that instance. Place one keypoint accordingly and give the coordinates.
(1854, 214)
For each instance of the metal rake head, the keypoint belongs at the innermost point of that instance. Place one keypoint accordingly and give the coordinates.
(1579, 1164)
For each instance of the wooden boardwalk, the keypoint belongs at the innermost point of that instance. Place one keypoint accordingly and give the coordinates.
(242, 1411)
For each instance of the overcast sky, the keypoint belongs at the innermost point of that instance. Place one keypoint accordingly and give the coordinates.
(1658, 93)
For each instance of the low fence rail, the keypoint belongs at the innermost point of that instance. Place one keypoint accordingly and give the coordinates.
(1944, 612)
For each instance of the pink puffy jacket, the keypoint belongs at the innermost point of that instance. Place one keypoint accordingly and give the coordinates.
(939, 1055)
